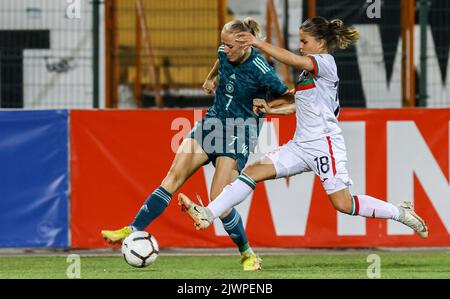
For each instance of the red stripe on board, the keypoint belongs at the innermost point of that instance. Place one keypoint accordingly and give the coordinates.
(333, 162)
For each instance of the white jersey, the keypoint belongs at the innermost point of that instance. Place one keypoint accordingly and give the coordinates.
(316, 99)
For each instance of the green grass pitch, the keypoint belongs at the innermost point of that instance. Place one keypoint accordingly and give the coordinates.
(324, 266)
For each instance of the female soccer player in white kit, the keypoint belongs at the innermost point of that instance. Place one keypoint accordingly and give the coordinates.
(318, 144)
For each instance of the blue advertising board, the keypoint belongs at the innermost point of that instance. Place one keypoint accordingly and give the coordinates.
(34, 178)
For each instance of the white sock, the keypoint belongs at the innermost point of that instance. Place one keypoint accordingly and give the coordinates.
(371, 207)
(232, 195)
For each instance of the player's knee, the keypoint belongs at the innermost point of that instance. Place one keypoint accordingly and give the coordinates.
(260, 170)
(250, 171)
(343, 205)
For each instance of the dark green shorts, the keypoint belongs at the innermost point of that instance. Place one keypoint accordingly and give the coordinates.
(217, 140)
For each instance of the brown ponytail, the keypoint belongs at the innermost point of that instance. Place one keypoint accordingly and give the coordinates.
(336, 35)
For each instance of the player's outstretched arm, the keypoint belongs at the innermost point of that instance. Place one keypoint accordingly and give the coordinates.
(260, 105)
(286, 98)
(280, 54)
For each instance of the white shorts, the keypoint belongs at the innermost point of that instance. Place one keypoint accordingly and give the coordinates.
(327, 157)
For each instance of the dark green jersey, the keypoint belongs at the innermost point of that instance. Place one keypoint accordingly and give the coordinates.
(239, 84)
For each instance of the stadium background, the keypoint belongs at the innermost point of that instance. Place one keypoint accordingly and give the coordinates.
(86, 130)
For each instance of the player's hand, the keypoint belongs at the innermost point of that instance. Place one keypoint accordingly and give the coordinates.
(260, 105)
(209, 86)
(246, 39)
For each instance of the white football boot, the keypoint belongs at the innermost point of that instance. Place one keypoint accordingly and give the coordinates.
(200, 214)
(410, 218)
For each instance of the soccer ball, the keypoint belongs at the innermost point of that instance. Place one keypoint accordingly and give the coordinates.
(140, 249)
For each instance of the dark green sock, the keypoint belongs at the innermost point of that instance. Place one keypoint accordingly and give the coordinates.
(235, 228)
(155, 204)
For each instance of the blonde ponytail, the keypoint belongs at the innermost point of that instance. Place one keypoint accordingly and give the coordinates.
(246, 25)
(253, 26)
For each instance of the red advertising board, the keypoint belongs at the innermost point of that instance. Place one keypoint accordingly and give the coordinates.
(119, 157)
